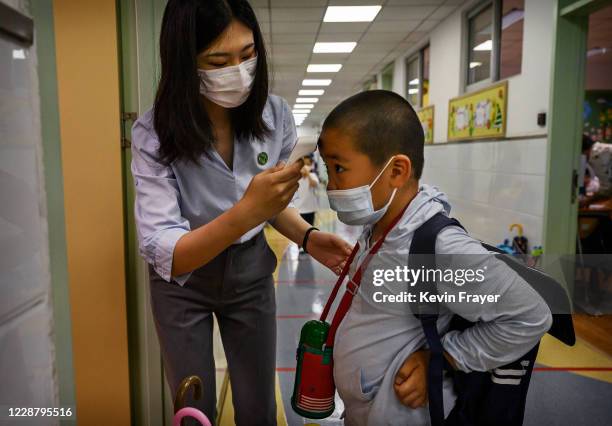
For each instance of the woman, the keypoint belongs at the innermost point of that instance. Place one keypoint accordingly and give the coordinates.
(205, 167)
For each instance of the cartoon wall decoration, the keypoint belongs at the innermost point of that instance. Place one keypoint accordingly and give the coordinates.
(426, 116)
(479, 115)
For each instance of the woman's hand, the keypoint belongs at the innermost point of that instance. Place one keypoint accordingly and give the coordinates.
(270, 191)
(329, 250)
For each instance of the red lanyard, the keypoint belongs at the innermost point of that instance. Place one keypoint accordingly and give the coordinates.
(353, 285)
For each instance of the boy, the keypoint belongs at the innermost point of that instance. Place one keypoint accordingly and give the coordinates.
(372, 145)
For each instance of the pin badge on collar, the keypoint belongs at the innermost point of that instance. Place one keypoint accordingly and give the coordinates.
(262, 158)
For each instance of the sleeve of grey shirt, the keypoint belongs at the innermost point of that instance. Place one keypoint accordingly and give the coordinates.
(503, 330)
(157, 213)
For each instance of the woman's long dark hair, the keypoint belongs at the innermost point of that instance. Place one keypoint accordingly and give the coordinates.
(180, 119)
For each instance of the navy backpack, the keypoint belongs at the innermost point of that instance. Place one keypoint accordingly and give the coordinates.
(495, 397)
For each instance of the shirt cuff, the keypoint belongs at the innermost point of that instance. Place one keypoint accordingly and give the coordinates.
(449, 344)
(164, 254)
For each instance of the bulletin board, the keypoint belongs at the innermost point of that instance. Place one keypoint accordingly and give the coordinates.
(426, 117)
(479, 115)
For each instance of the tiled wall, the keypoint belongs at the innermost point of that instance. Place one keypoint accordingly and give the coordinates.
(492, 185)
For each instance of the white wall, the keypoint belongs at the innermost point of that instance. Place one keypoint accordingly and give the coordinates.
(492, 184)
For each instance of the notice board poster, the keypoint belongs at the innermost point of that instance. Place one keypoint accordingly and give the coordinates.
(426, 116)
(479, 115)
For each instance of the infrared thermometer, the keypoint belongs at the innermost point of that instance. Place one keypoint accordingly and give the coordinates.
(305, 145)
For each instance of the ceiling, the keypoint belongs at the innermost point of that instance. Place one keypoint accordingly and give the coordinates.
(291, 27)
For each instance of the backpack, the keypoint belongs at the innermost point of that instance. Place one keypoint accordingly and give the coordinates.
(490, 397)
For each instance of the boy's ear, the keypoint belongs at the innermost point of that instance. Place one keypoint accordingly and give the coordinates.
(401, 170)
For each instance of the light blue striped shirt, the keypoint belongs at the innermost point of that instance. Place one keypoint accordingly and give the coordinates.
(173, 199)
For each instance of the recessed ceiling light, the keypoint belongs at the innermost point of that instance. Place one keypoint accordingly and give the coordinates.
(300, 111)
(413, 91)
(311, 92)
(414, 82)
(341, 47)
(351, 13)
(316, 82)
(324, 68)
(297, 106)
(484, 46)
(306, 100)
(475, 64)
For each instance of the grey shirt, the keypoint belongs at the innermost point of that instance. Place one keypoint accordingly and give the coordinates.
(173, 199)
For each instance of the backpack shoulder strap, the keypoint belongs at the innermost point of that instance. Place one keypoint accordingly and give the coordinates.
(422, 255)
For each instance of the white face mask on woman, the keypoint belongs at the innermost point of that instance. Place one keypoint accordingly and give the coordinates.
(229, 87)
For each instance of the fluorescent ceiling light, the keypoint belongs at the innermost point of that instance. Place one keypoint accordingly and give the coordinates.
(306, 100)
(475, 64)
(301, 111)
(413, 82)
(351, 13)
(324, 68)
(311, 92)
(413, 91)
(316, 82)
(296, 106)
(341, 47)
(484, 46)
(591, 52)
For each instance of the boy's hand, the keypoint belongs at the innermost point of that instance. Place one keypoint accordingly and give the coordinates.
(411, 380)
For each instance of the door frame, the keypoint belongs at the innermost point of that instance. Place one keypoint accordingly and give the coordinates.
(42, 13)
(565, 123)
(138, 32)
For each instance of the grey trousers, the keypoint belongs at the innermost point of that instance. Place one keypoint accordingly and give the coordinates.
(237, 286)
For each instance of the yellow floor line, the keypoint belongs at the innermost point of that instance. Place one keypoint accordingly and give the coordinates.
(553, 353)
(278, 244)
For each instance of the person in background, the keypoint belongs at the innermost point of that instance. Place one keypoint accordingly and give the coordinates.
(591, 181)
(307, 202)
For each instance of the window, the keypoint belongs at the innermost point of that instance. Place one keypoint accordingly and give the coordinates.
(495, 40)
(480, 45)
(412, 74)
(370, 84)
(417, 78)
(387, 77)
(511, 43)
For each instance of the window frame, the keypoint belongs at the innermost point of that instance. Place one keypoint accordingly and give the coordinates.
(494, 71)
(419, 56)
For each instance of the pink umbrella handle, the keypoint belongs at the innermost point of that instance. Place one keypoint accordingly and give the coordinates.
(190, 412)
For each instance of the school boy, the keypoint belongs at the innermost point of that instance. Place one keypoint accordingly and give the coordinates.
(372, 145)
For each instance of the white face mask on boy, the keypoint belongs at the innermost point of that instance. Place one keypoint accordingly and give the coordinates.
(354, 206)
(229, 87)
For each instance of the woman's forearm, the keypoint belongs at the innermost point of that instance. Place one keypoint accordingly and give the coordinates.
(291, 225)
(200, 246)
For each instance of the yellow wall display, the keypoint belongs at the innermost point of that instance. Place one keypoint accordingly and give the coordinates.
(426, 117)
(479, 115)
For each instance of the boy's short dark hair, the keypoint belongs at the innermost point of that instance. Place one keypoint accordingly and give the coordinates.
(382, 124)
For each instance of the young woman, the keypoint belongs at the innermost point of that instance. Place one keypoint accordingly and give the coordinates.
(207, 177)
